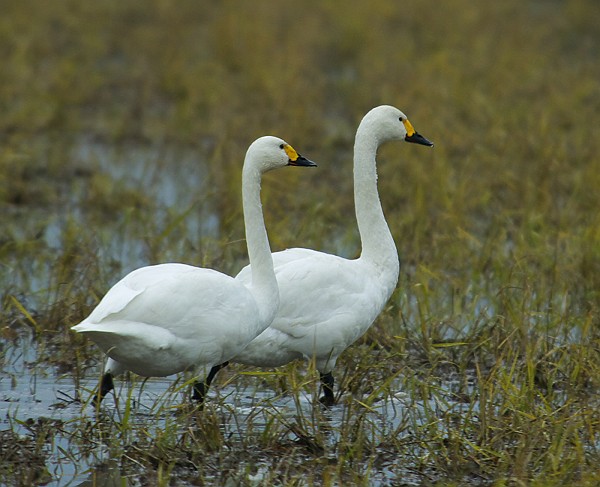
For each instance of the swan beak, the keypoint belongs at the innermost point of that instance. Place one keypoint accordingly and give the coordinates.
(295, 159)
(301, 161)
(417, 138)
(413, 136)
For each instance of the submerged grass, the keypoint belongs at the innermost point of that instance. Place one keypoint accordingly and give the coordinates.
(121, 139)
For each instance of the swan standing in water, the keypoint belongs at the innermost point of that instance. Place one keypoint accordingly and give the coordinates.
(327, 302)
(164, 319)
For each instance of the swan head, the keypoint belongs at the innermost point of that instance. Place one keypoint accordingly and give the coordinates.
(389, 123)
(270, 152)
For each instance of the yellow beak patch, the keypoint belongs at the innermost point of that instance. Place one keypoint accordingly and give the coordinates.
(409, 128)
(291, 152)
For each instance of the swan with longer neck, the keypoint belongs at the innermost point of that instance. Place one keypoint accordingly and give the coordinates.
(328, 302)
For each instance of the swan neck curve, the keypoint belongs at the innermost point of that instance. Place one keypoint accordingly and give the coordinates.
(264, 284)
(378, 245)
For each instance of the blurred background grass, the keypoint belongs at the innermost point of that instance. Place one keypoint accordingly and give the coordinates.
(498, 227)
(509, 93)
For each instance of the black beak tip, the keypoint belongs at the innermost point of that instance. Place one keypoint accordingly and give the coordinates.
(417, 138)
(303, 162)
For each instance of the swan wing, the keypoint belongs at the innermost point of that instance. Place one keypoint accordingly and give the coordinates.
(173, 297)
(191, 315)
(326, 301)
(132, 285)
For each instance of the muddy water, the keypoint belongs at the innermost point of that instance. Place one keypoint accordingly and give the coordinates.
(32, 394)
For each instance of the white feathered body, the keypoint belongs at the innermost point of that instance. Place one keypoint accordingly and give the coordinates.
(326, 303)
(163, 319)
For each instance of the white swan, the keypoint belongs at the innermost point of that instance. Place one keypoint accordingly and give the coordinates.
(168, 318)
(327, 302)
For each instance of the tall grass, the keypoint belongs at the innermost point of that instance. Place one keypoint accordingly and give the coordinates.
(122, 133)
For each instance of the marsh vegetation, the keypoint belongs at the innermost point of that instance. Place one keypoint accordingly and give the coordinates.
(122, 132)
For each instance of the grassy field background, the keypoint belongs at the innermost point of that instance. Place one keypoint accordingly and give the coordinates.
(498, 227)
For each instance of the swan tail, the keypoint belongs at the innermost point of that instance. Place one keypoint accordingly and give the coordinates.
(117, 334)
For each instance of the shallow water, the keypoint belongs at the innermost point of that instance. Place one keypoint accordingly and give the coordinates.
(113, 198)
(33, 394)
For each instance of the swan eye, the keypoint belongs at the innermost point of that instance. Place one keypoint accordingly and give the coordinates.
(281, 146)
(401, 119)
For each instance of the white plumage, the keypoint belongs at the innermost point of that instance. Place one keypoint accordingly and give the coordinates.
(168, 318)
(326, 301)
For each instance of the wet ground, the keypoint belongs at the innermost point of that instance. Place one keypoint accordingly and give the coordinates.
(46, 416)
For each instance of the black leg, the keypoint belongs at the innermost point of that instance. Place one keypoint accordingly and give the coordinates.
(104, 387)
(327, 380)
(199, 392)
(201, 388)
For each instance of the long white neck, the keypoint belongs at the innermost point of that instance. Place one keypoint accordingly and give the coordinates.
(378, 245)
(264, 284)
